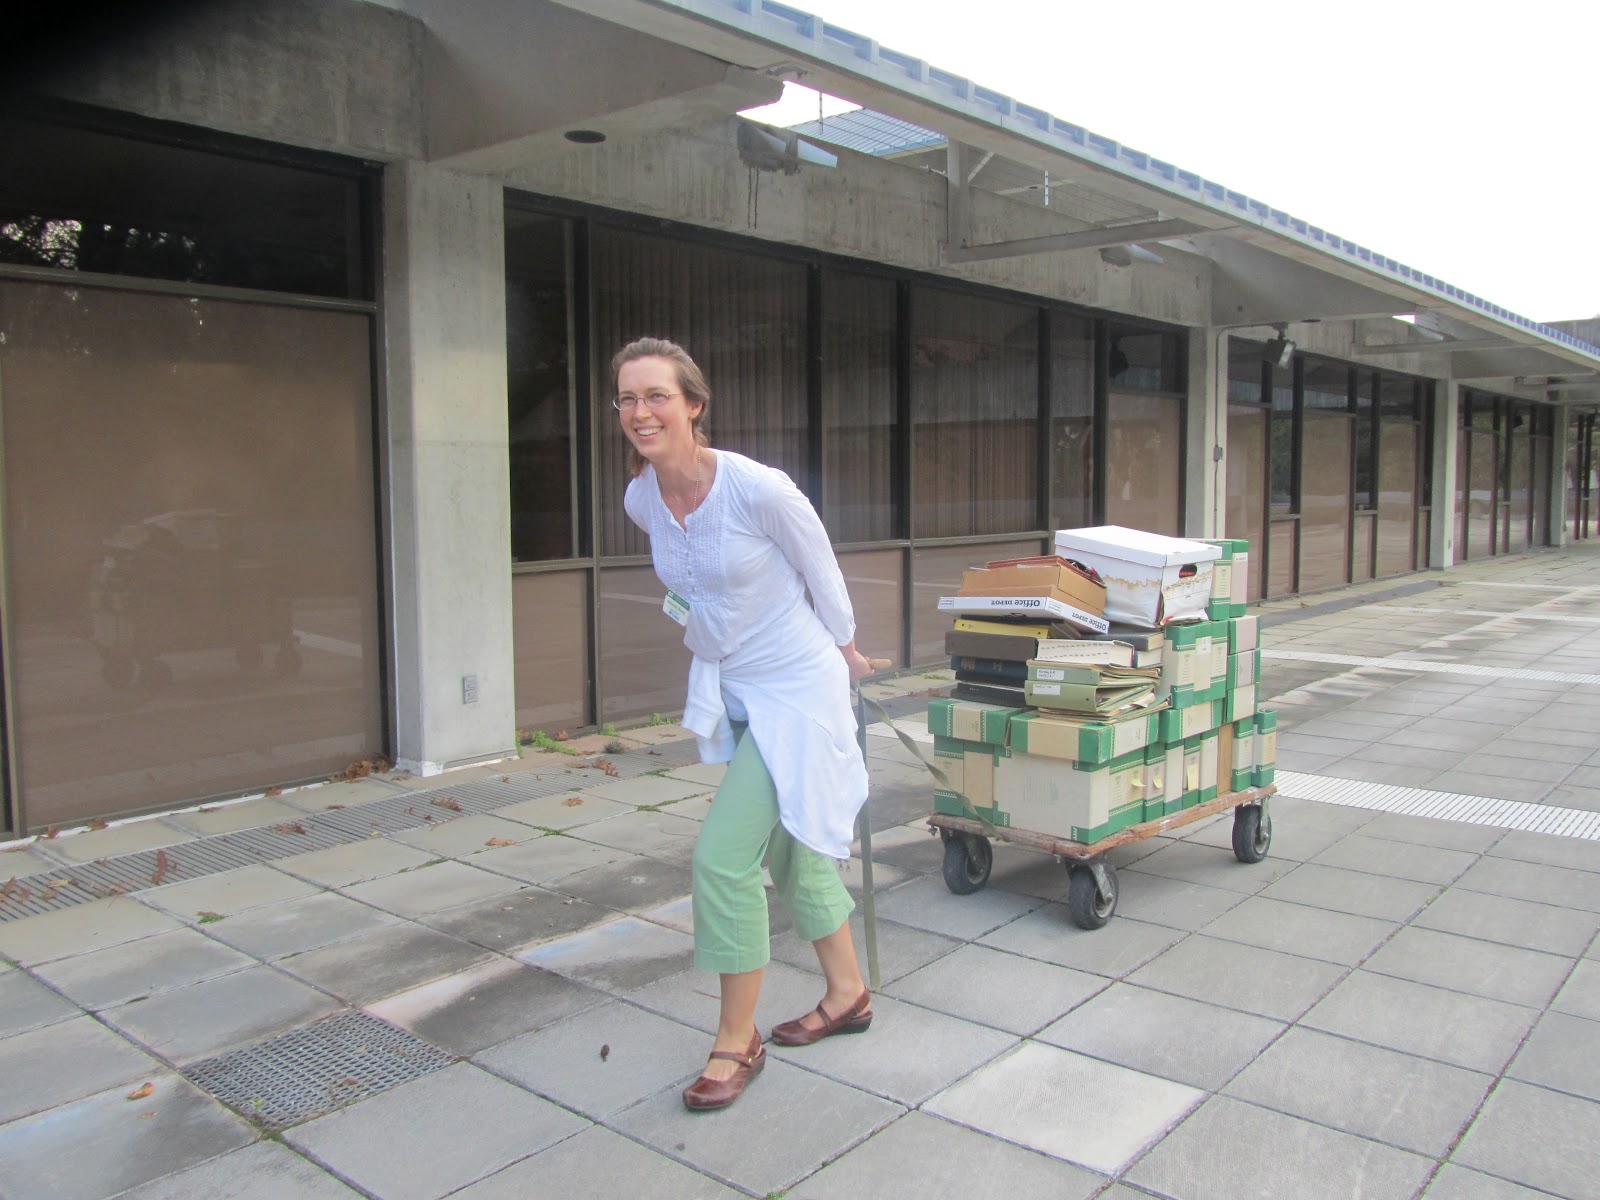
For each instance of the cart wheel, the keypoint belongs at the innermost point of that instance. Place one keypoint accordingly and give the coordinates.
(967, 859)
(117, 671)
(287, 661)
(248, 655)
(1089, 908)
(1252, 833)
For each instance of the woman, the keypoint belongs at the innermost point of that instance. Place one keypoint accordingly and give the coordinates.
(738, 545)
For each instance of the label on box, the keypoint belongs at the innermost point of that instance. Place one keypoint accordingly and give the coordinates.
(1045, 605)
(1222, 580)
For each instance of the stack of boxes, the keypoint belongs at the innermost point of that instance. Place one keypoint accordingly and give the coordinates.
(1082, 779)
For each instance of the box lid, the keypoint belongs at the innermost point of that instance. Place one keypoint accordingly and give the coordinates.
(1136, 545)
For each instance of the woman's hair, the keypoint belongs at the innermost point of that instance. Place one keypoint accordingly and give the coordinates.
(690, 382)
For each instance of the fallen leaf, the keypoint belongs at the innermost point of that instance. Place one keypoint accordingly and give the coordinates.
(209, 809)
(145, 1116)
(163, 865)
(97, 823)
(333, 806)
(505, 779)
(114, 889)
(50, 832)
(46, 897)
(289, 827)
(142, 1092)
(447, 802)
(500, 842)
(572, 802)
(608, 767)
(9, 887)
(605, 1051)
(273, 791)
(562, 736)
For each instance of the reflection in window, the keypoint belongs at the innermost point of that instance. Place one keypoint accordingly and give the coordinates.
(1146, 360)
(92, 201)
(975, 405)
(858, 407)
(539, 389)
(1071, 421)
(741, 316)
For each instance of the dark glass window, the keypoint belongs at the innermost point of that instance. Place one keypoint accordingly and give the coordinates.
(539, 389)
(1071, 421)
(858, 407)
(1284, 497)
(1327, 385)
(1144, 360)
(975, 412)
(83, 200)
(1244, 372)
(1366, 442)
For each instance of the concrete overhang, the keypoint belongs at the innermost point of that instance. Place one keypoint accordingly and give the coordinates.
(1272, 268)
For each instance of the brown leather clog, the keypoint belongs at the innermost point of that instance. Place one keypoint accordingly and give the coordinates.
(854, 1019)
(707, 1095)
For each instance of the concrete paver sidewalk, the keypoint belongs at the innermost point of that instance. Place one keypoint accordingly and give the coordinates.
(1390, 1005)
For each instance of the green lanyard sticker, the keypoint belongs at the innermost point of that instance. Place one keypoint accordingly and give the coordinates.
(676, 607)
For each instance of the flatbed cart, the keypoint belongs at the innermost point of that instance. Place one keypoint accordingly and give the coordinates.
(1092, 890)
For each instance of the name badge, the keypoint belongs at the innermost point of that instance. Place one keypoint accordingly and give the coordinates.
(676, 607)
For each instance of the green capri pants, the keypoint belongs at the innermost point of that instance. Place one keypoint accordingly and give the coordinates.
(730, 898)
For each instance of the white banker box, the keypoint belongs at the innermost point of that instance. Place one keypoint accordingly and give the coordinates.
(1150, 579)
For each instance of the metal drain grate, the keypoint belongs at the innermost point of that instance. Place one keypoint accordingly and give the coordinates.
(314, 1070)
(1444, 806)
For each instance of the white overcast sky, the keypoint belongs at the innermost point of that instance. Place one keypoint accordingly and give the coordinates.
(1459, 138)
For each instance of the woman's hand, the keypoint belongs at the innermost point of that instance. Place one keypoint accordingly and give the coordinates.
(859, 664)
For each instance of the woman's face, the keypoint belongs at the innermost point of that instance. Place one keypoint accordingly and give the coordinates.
(664, 431)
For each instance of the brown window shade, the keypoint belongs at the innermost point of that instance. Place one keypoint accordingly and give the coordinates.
(858, 407)
(191, 546)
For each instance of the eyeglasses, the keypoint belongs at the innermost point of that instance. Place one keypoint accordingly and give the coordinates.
(652, 400)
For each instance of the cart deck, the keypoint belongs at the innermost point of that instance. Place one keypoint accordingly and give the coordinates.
(1092, 892)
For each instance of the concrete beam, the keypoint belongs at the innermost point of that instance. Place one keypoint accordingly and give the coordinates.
(1087, 239)
(506, 79)
(1431, 347)
(1205, 501)
(1254, 286)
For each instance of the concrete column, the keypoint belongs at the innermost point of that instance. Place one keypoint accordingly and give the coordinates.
(1446, 438)
(1560, 439)
(1205, 500)
(449, 504)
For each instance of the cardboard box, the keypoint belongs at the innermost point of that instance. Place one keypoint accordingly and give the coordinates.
(1266, 766)
(1173, 766)
(1048, 607)
(1150, 580)
(1240, 703)
(1180, 724)
(1242, 768)
(1244, 633)
(1207, 744)
(1036, 577)
(1086, 741)
(973, 764)
(1070, 800)
(1219, 658)
(969, 720)
(1242, 668)
(1155, 781)
(1230, 582)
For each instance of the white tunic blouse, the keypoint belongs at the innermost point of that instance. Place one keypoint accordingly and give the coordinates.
(743, 560)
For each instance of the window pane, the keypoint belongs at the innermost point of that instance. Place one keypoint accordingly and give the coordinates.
(1397, 497)
(975, 405)
(644, 666)
(1325, 504)
(1366, 445)
(1244, 372)
(1484, 451)
(550, 634)
(1071, 421)
(1144, 463)
(92, 201)
(539, 388)
(873, 578)
(192, 548)
(1281, 561)
(1146, 360)
(936, 571)
(1284, 499)
(740, 316)
(858, 407)
(1327, 385)
(1247, 470)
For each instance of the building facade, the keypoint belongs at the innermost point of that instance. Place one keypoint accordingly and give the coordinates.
(305, 317)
